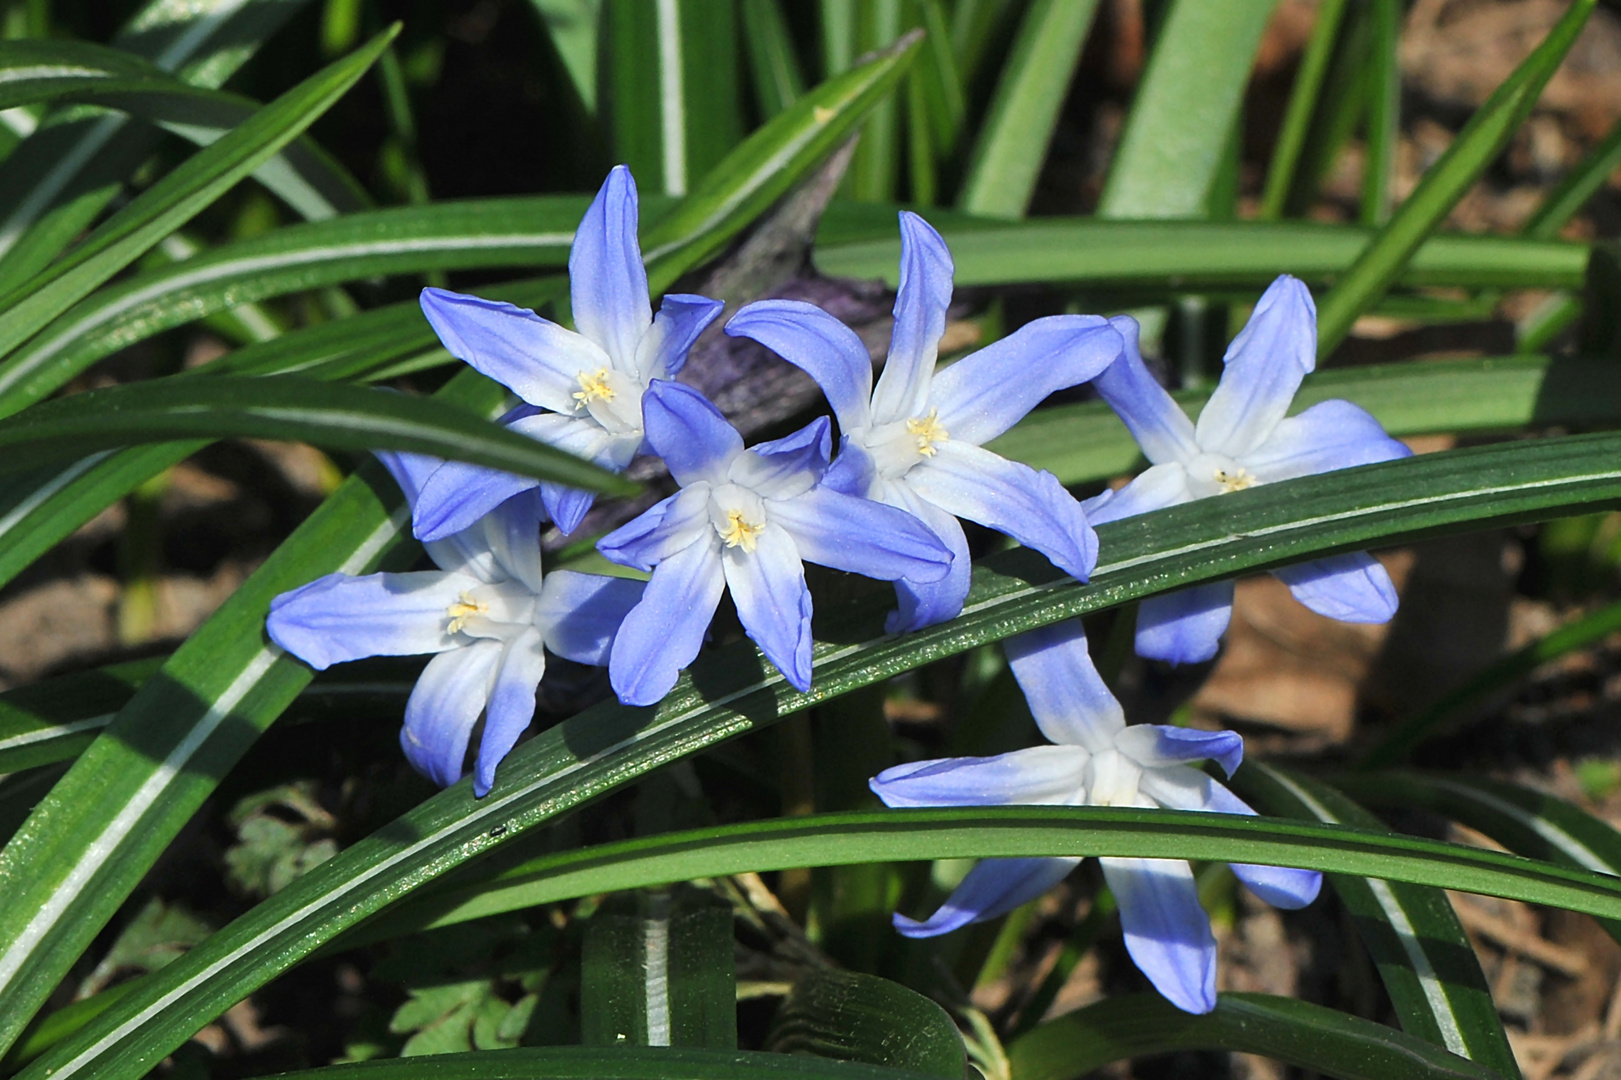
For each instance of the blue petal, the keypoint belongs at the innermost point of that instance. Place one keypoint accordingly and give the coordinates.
(1352, 588)
(581, 613)
(339, 618)
(410, 471)
(442, 708)
(1154, 489)
(565, 505)
(1156, 421)
(681, 318)
(787, 467)
(1066, 694)
(660, 532)
(1264, 366)
(993, 887)
(1329, 435)
(920, 319)
(1167, 932)
(1038, 776)
(456, 496)
(1030, 506)
(1183, 788)
(663, 633)
(512, 706)
(981, 396)
(689, 433)
(819, 345)
(533, 357)
(861, 536)
(924, 603)
(852, 472)
(1154, 746)
(607, 281)
(773, 603)
(512, 533)
(1185, 627)
(582, 437)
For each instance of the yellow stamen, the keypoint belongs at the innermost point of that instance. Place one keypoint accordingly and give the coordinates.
(1237, 480)
(463, 609)
(927, 430)
(740, 533)
(593, 388)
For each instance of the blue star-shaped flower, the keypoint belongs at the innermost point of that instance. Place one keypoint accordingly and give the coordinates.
(488, 615)
(1244, 437)
(1096, 760)
(582, 390)
(915, 442)
(744, 519)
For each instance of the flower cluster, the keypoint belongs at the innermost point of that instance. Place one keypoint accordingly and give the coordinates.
(911, 461)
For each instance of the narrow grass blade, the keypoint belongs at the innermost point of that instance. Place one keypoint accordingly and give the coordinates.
(1169, 256)
(63, 175)
(529, 232)
(1445, 182)
(1435, 718)
(778, 82)
(1524, 821)
(607, 1063)
(1013, 140)
(1383, 112)
(169, 203)
(286, 407)
(1303, 101)
(878, 836)
(1424, 957)
(670, 92)
(1294, 1032)
(1185, 108)
(730, 693)
(55, 719)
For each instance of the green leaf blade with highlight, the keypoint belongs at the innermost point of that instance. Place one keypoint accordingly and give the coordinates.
(164, 207)
(1445, 182)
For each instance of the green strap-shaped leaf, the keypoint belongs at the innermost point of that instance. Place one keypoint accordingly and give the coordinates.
(1012, 142)
(165, 206)
(1524, 821)
(87, 845)
(286, 407)
(1186, 104)
(1295, 1032)
(773, 64)
(731, 692)
(54, 719)
(669, 93)
(608, 1063)
(656, 969)
(1424, 958)
(915, 834)
(38, 70)
(401, 240)
(1303, 99)
(55, 183)
(862, 243)
(850, 1016)
(1445, 182)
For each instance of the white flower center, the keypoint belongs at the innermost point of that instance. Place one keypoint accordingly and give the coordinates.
(897, 446)
(612, 398)
(501, 611)
(738, 516)
(1218, 474)
(1112, 779)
